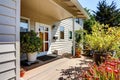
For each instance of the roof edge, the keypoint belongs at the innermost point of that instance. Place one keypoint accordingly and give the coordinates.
(79, 6)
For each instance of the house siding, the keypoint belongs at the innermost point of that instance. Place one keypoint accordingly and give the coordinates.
(62, 45)
(9, 39)
(65, 45)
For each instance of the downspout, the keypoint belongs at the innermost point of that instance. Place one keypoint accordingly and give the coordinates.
(82, 44)
(73, 36)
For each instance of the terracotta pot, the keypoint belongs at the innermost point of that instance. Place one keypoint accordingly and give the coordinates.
(77, 52)
(22, 72)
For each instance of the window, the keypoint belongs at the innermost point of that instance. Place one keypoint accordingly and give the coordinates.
(61, 32)
(70, 34)
(24, 25)
(77, 20)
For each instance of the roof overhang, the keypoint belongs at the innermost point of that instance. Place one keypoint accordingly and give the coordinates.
(50, 11)
(74, 7)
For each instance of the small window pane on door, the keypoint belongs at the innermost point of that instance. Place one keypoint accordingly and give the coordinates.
(46, 46)
(46, 36)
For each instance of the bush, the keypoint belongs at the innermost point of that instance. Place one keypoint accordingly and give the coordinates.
(29, 42)
(103, 38)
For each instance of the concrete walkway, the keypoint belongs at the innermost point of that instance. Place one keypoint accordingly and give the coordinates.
(52, 70)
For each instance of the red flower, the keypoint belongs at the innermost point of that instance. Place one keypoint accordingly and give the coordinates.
(116, 71)
(97, 79)
(108, 69)
(107, 62)
(119, 62)
(112, 64)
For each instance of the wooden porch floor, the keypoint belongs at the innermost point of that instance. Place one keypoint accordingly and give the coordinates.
(52, 70)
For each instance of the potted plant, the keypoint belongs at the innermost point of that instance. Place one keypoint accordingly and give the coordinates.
(22, 72)
(78, 42)
(103, 40)
(78, 50)
(30, 44)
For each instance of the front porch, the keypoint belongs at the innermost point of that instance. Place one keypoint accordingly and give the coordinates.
(53, 70)
(54, 22)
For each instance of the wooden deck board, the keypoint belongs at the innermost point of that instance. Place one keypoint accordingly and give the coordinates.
(52, 71)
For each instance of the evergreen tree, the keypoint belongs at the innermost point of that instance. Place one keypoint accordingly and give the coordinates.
(107, 14)
(90, 22)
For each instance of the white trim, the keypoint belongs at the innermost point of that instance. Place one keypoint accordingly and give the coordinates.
(22, 17)
(73, 35)
(37, 24)
(17, 39)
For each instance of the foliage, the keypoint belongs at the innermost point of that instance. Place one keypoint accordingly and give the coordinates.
(117, 54)
(29, 42)
(110, 70)
(89, 22)
(103, 39)
(107, 14)
(79, 37)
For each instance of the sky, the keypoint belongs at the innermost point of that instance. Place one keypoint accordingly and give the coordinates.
(92, 5)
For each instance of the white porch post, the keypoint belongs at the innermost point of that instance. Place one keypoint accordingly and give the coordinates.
(73, 36)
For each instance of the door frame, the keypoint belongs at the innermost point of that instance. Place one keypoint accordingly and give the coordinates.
(37, 25)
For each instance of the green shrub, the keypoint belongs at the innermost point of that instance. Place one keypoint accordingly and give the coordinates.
(103, 38)
(29, 42)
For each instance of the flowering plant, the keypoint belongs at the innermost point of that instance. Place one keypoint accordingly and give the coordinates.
(110, 70)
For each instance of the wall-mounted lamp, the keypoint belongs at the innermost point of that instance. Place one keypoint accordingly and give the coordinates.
(53, 26)
(55, 37)
(39, 29)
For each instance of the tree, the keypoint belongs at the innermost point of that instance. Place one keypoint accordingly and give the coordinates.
(107, 14)
(90, 22)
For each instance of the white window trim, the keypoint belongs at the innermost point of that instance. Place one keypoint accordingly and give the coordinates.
(37, 24)
(28, 21)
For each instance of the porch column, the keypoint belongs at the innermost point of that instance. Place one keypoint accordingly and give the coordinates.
(73, 36)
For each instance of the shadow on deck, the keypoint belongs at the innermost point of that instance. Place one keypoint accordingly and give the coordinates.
(75, 73)
(39, 62)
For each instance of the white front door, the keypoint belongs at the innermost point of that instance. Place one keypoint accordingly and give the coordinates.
(44, 33)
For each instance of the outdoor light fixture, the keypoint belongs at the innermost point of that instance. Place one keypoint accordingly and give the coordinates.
(39, 29)
(55, 37)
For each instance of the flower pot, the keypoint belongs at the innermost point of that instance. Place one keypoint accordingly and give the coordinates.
(99, 58)
(22, 72)
(32, 56)
(77, 53)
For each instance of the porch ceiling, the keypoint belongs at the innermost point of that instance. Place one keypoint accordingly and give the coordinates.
(50, 11)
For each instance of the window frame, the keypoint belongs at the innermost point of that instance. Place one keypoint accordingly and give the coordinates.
(69, 35)
(28, 19)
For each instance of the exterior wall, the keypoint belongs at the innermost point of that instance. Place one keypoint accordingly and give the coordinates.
(9, 39)
(63, 46)
(80, 25)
